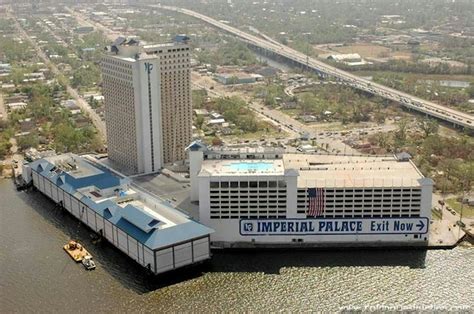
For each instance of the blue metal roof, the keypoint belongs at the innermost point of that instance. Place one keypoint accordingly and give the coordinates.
(102, 178)
(137, 217)
(196, 145)
(133, 220)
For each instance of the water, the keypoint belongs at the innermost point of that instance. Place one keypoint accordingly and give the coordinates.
(37, 276)
(251, 166)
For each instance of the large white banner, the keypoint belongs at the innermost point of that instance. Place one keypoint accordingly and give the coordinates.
(330, 226)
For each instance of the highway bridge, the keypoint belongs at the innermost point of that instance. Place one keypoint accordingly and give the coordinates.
(270, 46)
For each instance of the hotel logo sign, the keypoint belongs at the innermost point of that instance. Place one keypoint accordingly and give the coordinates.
(148, 67)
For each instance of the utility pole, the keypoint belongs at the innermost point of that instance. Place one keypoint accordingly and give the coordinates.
(307, 49)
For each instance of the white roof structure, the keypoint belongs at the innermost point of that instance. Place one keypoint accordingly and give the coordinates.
(314, 170)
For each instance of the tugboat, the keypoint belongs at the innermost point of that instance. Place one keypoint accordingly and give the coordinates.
(88, 262)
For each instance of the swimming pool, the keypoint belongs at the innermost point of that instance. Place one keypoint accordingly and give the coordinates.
(251, 166)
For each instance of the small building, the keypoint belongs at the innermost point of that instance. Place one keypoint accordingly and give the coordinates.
(35, 76)
(8, 86)
(289, 105)
(235, 78)
(216, 121)
(69, 104)
(308, 118)
(20, 97)
(32, 154)
(305, 136)
(403, 156)
(88, 49)
(469, 200)
(27, 124)
(81, 121)
(351, 59)
(347, 57)
(84, 29)
(227, 131)
(201, 112)
(216, 115)
(5, 68)
(16, 106)
(306, 148)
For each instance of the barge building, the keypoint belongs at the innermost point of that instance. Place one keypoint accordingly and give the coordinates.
(267, 198)
(148, 230)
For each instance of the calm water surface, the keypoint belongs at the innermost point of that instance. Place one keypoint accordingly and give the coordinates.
(37, 276)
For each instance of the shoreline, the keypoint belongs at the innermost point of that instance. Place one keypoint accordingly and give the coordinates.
(466, 238)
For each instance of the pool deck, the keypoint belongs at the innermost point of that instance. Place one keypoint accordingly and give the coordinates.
(220, 167)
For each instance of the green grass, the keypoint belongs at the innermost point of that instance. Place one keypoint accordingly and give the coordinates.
(467, 211)
(435, 215)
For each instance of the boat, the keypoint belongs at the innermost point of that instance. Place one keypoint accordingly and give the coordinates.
(88, 262)
(76, 251)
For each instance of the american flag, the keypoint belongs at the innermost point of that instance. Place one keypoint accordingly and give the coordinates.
(316, 202)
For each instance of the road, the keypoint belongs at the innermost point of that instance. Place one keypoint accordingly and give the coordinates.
(446, 230)
(293, 127)
(456, 117)
(96, 120)
(110, 34)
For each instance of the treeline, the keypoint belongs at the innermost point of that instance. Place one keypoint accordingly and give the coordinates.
(5, 135)
(452, 97)
(234, 109)
(408, 67)
(230, 53)
(15, 51)
(448, 160)
(338, 103)
(87, 75)
(324, 19)
(56, 127)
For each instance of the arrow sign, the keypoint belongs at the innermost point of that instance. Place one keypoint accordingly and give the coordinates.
(330, 226)
(420, 225)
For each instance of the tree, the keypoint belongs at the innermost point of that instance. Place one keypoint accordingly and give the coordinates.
(401, 133)
(4, 148)
(28, 141)
(248, 124)
(216, 141)
(306, 102)
(470, 91)
(429, 126)
(199, 122)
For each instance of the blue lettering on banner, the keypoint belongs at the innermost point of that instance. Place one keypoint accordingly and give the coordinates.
(328, 226)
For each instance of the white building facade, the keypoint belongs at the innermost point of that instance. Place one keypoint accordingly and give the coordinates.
(270, 199)
(147, 104)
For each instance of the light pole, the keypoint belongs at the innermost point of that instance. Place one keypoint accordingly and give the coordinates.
(307, 48)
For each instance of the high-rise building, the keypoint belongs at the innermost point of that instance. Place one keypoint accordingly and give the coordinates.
(148, 108)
